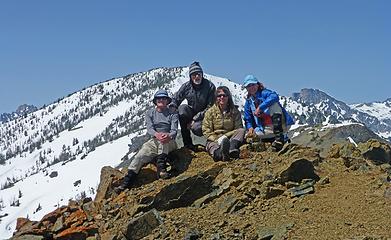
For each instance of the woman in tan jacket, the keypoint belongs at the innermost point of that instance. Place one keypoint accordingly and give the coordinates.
(223, 127)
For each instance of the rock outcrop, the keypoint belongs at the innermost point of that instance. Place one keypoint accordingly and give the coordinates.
(291, 194)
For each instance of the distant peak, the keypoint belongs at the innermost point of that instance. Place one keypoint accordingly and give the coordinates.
(20, 111)
(26, 108)
(311, 95)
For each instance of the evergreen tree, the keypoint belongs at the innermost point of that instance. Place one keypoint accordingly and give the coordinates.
(2, 159)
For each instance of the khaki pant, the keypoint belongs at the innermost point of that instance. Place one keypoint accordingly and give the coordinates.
(211, 147)
(149, 151)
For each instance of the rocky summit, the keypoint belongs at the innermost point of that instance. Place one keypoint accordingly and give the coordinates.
(44, 153)
(293, 194)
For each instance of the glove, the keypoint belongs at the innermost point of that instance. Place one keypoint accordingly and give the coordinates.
(220, 140)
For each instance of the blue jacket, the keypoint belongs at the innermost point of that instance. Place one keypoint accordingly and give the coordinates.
(266, 98)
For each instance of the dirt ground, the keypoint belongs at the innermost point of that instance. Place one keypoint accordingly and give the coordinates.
(351, 206)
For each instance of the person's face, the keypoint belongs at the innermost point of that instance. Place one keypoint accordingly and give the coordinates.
(196, 78)
(252, 88)
(161, 102)
(222, 98)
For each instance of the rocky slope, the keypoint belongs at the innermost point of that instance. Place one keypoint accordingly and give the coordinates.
(293, 194)
(323, 137)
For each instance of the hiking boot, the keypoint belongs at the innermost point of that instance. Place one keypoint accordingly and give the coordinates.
(286, 138)
(191, 147)
(222, 153)
(120, 189)
(195, 148)
(225, 144)
(162, 161)
(278, 131)
(234, 151)
(277, 146)
(127, 181)
(163, 174)
(278, 143)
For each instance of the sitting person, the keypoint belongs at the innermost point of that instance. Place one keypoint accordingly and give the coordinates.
(223, 127)
(263, 114)
(199, 93)
(162, 125)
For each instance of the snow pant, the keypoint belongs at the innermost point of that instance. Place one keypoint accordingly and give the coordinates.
(149, 151)
(186, 114)
(238, 136)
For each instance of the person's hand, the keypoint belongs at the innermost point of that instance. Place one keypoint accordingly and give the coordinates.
(190, 125)
(172, 108)
(220, 139)
(158, 136)
(164, 138)
(250, 132)
(258, 112)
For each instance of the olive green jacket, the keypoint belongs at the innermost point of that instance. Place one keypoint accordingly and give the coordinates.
(216, 123)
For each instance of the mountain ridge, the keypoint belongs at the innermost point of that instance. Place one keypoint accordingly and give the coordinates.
(22, 110)
(91, 128)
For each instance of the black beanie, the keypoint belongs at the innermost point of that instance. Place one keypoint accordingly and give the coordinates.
(194, 68)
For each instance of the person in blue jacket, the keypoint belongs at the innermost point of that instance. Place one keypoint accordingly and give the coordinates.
(263, 114)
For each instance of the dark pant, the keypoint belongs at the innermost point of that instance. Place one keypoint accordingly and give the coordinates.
(186, 115)
(238, 136)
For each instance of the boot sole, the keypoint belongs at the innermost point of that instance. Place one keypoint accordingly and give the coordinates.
(234, 153)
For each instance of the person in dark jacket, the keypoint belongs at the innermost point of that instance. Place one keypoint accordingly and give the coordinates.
(263, 113)
(199, 93)
(162, 125)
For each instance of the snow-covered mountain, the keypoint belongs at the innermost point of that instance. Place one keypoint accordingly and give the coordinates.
(55, 153)
(22, 110)
(381, 111)
(313, 107)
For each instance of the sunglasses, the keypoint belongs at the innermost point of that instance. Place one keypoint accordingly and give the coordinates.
(221, 95)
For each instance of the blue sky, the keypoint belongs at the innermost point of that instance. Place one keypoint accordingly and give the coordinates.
(49, 49)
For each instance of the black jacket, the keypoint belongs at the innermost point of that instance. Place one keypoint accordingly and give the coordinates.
(199, 97)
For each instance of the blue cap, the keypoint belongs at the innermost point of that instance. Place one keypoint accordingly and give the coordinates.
(250, 79)
(160, 94)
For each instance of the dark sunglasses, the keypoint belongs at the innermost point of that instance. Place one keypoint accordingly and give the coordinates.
(221, 95)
